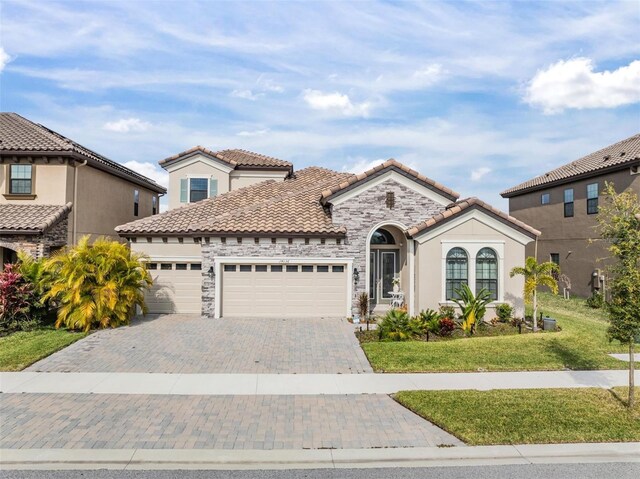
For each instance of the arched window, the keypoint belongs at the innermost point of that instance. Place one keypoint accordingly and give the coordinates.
(382, 236)
(487, 272)
(457, 271)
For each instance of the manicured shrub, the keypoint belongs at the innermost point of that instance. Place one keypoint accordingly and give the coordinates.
(473, 307)
(448, 312)
(504, 312)
(595, 301)
(97, 285)
(429, 322)
(18, 301)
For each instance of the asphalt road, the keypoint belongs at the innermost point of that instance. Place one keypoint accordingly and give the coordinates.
(532, 471)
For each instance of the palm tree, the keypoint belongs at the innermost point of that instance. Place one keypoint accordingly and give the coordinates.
(536, 275)
(96, 285)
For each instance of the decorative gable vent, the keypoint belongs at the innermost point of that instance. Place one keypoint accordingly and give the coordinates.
(390, 200)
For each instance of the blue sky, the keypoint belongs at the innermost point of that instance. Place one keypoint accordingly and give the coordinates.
(476, 95)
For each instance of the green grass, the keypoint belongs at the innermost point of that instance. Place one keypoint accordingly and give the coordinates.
(21, 349)
(529, 416)
(582, 344)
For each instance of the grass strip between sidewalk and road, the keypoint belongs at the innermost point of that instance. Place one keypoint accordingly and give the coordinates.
(581, 345)
(529, 416)
(23, 348)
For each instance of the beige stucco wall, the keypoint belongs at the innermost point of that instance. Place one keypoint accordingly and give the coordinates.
(172, 249)
(242, 178)
(50, 187)
(430, 264)
(199, 168)
(105, 201)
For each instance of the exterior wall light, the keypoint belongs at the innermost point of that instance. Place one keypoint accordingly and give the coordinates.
(211, 273)
(356, 275)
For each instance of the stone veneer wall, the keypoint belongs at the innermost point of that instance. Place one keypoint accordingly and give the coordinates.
(40, 245)
(359, 215)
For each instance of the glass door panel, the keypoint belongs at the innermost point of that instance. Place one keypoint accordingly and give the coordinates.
(388, 267)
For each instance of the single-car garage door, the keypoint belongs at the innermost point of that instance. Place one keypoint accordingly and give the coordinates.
(284, 290)
(177, 287)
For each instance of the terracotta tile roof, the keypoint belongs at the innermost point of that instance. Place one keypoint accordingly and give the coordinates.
(31, 218)
(459, 206)
(234, 158)
(625, 152)
(289, 207)
(21, 136)
(354, 180)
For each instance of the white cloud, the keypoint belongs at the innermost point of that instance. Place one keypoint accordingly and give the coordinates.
(150, 171)
(575, 84)
(335, 102)
(4, 59)
(253, 133)
(246, 94)
(417, 80)
(125, 125)
(478, 173)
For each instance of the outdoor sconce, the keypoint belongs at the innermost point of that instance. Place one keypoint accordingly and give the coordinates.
(356, 275)
(211, 273)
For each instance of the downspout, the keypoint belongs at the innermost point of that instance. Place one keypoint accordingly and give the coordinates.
(74, 233)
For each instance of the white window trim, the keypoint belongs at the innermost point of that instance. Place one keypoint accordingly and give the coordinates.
(195, 177)
(219, 261)
(472, 247)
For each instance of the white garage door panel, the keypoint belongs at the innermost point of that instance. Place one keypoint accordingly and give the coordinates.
(284, 294)
(175, 291)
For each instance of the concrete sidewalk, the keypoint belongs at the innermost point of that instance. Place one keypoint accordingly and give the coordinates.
(131, 459)
(298, 384)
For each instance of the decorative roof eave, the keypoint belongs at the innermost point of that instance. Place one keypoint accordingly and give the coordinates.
(517, 190)
(69, 156)
(470, 204)
(219, 156)
(234, 234)
(389, 165)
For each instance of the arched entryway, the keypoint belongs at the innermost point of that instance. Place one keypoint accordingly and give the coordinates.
(387, 262)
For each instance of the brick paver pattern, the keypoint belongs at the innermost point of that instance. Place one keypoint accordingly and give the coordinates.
(204, 422)
(191, 344)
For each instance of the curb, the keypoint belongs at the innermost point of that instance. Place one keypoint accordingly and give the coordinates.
(221, 459)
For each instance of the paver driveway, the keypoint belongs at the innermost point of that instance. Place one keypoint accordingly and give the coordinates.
(191, 344)
(106, 421)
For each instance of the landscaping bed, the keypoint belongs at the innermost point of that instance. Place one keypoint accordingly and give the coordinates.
(23, 348)
(580, 344)
(529, 416)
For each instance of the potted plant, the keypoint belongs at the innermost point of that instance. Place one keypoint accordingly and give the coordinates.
(396, 284)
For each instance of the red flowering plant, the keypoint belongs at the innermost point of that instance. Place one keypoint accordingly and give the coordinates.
(18, 301)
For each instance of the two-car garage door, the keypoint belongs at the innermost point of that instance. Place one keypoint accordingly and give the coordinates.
(284, 290)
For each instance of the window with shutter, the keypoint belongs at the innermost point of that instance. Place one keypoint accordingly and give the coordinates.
(183, 190)
(213, 187)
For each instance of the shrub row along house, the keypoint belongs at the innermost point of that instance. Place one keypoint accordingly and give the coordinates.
(563, 205)
(250, 236)
(53, 191)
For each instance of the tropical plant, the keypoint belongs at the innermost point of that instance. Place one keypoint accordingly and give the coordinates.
(504, 312)
(473, 307)
(448, 312)
(363, 307)
(536, 275)
(96, 286)
(619, 222)
(595, 301)
(18, 309)
(447, 326)
(429, 321)
(397, 325)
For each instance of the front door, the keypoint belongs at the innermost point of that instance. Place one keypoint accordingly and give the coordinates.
(383, 267)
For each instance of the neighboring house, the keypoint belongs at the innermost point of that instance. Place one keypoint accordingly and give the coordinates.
(53, 191)
(199, 173)
(309, 245)
(563, 205)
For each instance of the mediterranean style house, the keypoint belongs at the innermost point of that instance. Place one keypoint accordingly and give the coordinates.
(199, 173)
(563, 205)
(308, 243)
(53, 191)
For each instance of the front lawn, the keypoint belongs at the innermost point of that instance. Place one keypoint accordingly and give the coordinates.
(21, 349)
(582, 344)
(529, 416)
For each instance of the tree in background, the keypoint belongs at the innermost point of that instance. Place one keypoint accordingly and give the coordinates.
(536, 275)
(96, 285)
(619, 224)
